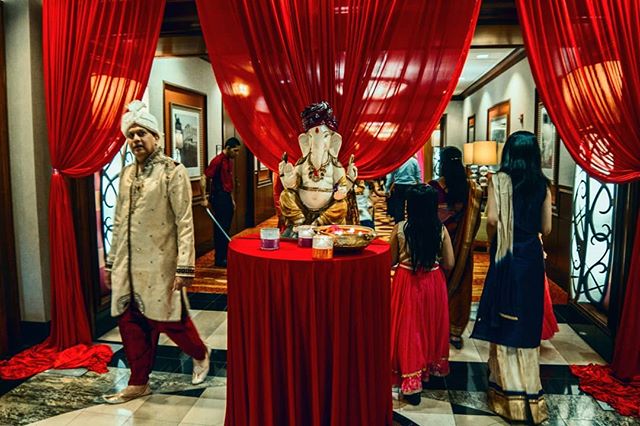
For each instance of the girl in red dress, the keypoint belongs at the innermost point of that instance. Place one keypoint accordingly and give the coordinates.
(421, 247)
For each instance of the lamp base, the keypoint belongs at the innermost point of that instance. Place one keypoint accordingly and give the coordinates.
(483, 181)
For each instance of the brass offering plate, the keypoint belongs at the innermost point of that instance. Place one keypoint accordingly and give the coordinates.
(348, 237)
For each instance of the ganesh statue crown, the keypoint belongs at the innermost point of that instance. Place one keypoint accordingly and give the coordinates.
(316, 187)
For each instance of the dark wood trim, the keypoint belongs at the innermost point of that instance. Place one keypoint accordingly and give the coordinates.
(558, 243)
(513, 58)
(627, 210)
(83, 206)
(181, 46)
(556, 147)
(9, 298)
(471, 121)
(443, 131)
(588, 314)
(496, 36)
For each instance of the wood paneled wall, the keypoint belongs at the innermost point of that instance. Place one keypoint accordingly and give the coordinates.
(263, 207)
(82, 195)
(9, 300)
(558, 243)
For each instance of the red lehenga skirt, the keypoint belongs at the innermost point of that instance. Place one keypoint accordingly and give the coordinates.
(549, 322)
(419, 327)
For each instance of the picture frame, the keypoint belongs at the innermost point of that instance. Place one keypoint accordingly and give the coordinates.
(548, 139)
(471, 128)
(498, 121)
(185, 124)
(262, 173)
(186, 130)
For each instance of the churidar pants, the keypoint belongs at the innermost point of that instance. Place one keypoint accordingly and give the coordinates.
(140, 340)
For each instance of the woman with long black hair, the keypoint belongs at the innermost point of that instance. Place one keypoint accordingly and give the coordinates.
(421, 247)
(511, 306)
(459, 210)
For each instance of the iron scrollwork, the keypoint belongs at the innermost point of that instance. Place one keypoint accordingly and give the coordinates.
(592, 239)
(109, 181)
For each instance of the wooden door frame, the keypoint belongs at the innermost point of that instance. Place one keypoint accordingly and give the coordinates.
(9, 297)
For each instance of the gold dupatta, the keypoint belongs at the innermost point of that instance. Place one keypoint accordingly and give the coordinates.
(503, 194)
(465, 236)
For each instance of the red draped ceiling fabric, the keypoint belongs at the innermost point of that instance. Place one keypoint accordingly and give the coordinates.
(388, 69)
(97, 58)
(584, 58)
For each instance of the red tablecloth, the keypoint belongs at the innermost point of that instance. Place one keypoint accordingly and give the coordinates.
(308, 339)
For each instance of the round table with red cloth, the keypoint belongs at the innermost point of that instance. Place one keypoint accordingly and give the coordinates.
(308, 340)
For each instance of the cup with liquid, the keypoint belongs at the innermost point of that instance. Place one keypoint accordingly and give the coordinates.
(322, 247)
(269, 238)
(305, 236)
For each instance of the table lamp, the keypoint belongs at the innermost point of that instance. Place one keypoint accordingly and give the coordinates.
(500, 149)
(485, 153)
(467, 159)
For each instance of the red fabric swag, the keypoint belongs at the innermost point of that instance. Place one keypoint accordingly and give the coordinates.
(584, 59)
(97, 58)
(44, 356)
(599, 381)
(388, 69)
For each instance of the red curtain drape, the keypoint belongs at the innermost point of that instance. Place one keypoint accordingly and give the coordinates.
(97, 58)
(388, 69)
(584, 58)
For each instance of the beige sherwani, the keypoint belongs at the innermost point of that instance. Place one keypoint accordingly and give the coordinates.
(152, 239)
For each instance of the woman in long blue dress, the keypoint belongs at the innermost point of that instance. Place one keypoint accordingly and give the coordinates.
(511, 306)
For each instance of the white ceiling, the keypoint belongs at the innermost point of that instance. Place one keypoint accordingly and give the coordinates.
(479, 62)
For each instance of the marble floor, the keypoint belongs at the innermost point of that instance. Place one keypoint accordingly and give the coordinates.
(69, 397)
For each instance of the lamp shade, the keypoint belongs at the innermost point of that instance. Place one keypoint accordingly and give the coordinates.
(607, 77)
(467, 153)
(485, 153)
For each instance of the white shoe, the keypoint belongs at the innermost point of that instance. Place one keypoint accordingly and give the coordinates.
(200, 369)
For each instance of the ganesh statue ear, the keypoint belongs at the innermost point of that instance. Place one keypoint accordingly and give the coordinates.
(305, 143)
(336, 143)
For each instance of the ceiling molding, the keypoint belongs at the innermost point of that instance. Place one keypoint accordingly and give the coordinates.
(514, 57)
(181, 46)
(492, 36)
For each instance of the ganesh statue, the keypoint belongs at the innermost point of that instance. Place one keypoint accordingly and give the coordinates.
(316, 187)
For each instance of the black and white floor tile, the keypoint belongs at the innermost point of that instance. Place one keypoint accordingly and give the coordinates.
(70, 397)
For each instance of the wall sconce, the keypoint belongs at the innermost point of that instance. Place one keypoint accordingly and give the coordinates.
(485, 153)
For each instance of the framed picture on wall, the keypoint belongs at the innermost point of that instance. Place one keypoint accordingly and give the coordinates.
(498, 117)
(549, 140)
(471, 128)
(186, 130)
(262, 172)
(185, 126)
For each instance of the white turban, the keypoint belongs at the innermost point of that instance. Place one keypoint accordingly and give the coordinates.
(137, 114)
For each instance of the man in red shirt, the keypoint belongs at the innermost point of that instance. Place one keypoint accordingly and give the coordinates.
(220, 174)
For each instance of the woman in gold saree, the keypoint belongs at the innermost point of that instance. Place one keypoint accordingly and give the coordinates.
(459, 210)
